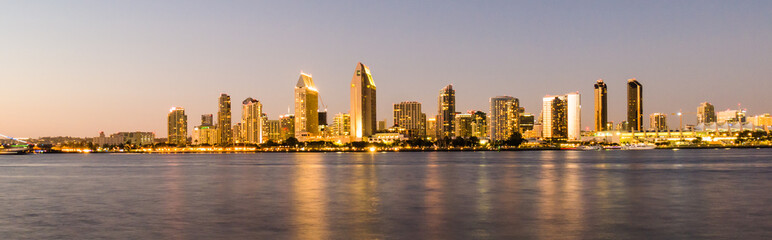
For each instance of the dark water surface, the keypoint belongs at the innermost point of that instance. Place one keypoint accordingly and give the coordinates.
(657, 194)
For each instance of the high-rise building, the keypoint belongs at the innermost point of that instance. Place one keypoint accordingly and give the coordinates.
(287, 124)
(207, 120)
(658, 121)
(479, 124)
(706, 113)
(224, 121)
(382, 126)
(431, 128)
(504, 118)
(178, 127)
(562, 116)
(634, 105)
(446, 112)
(306, 107)
(408, 119)
(252, 121)
(205, 135)
(601, 106)
(274, 130)
(462, 124)
(264, 126)
(363, 108)
(341, 124)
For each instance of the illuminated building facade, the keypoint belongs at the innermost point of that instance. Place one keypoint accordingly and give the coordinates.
(634, 105)
(601, 106)
(274, 130)
(341, 124)
(306, 107)
(504, 118)
(431, 128)
(446, 112)
(252, 121)
(408, 119)
(287, 124)
(706, 113)
(561, 117)
(224, 120)
(207, 120)
(177, 127)
(462, 125)
(658, 121)
(479, 124)
(363, 108)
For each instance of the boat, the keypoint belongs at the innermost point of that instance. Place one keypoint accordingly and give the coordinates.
(612, 147)
(589, 148)
(13, 149)
(639, 146)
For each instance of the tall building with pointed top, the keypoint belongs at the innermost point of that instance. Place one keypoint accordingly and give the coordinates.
(224, 120)
(634, 105)
(601, 106)
(177, 127)
(363, 108)
(252, 121)
(306, 107)
(446, 113)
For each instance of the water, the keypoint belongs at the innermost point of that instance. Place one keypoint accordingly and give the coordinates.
(657, 194)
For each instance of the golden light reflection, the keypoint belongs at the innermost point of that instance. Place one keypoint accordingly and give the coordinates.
(433, 200)
(560, 209)
(174, 220)
(309, 209)
(366, 202)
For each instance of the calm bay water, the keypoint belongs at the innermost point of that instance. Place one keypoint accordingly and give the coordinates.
(657, 194)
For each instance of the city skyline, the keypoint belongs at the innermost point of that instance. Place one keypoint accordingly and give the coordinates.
(714, 54)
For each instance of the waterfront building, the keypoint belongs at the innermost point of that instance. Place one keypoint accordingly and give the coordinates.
(177, 127)
(634, 105)
(409, 119)
(382, 126)
(601, 106)
(706, 113)
(504, 117)
(341, 124)
(363, 108)
(446, 112)
(658, 121)
(205, 135)
(462, 125)
(479, 124)
(207, 120)
(431, 128)
(306, 107)
(761, 120)
(128, 138)
(274, 130)
(287, 124)
(224, 120)
(252, 121)
(562, 116)
(264, 126)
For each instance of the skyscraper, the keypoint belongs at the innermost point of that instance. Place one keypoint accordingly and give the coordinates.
(446, 112)
(306, 107)
(634, 105)
(561, 116)
(706, 113)
(224, 120)
(363, 108)
(407, 119)
(251, 121)
(274, 130)
(322, 118)
(601, 106)
(504, 118)
(658, 121)
(178, 127)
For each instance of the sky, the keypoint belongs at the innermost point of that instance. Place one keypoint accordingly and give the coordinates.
(75, 68)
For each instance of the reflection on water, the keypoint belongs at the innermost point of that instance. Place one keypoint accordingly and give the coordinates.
(434, 195)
